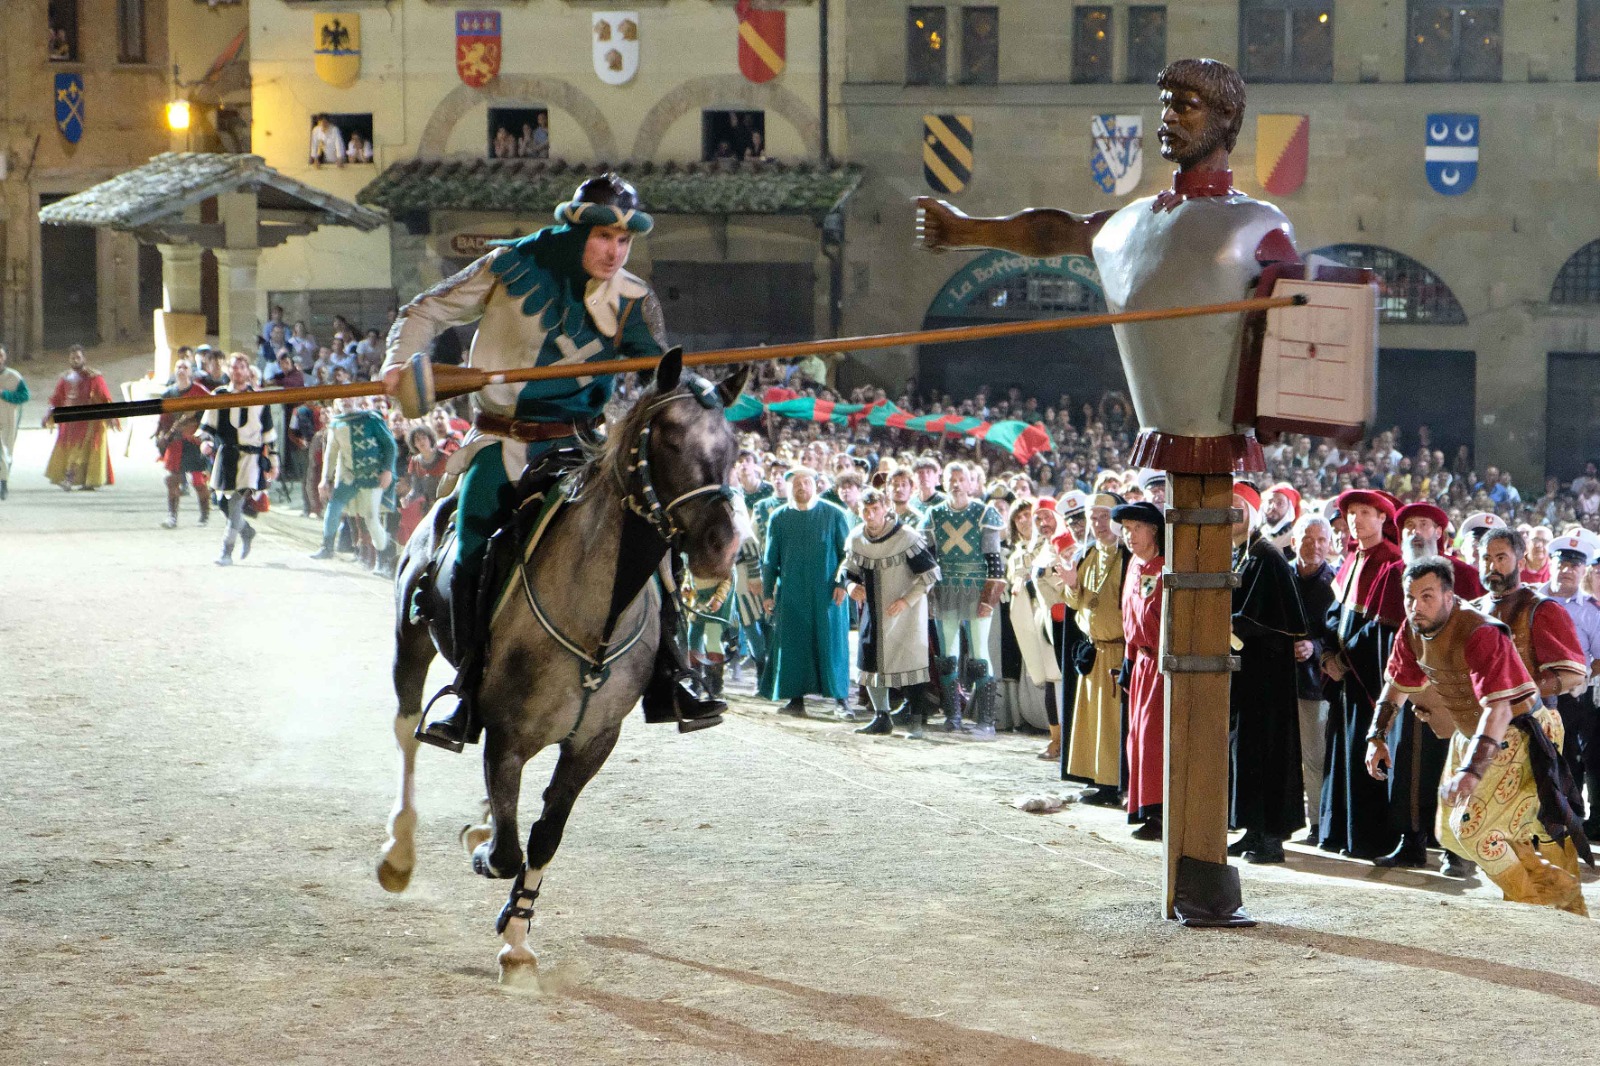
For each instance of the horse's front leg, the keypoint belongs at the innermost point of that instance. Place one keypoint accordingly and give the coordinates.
(574, 769)
(501, 855)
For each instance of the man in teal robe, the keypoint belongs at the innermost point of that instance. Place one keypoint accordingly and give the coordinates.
(800, 574)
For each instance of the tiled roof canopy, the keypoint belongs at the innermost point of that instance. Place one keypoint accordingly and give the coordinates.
(748, 187)
(150, 200)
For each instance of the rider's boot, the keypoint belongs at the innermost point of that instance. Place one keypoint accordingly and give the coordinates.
(674, 693)
(460, 727)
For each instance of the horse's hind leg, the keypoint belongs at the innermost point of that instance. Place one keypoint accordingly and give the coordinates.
(413, 651)
(574, 769)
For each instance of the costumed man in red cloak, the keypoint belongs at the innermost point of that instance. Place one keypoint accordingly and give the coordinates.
(1367, 611)
(81, 458)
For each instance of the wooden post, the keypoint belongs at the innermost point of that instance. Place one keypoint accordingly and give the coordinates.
(1195, 626)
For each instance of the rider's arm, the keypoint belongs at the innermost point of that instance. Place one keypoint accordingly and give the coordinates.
(455, 301)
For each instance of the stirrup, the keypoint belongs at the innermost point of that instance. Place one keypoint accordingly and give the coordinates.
(514, 907)
(426, 735)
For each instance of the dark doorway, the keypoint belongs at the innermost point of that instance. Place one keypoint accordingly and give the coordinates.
(1437, 389)
(725, 305)
(1572, 413)
(151, 297)
(70, 283)
(209, 303)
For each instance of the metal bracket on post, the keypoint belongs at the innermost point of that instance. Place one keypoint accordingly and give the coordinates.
(1199, 664)
(1204, 516)
(1228, 580)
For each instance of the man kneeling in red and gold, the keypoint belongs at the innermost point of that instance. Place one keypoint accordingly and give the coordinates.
(1506, 790)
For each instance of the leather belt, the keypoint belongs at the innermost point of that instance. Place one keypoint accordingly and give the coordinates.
(526, 432)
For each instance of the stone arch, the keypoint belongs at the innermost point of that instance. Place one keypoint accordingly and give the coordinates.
(1578, 281)
(1408, 292)
(725, 91)
(518, 90)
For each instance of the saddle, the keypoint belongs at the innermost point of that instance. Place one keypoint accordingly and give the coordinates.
(435, 599)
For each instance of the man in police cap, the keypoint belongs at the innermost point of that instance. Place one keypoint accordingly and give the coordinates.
(1570, 553)
(560, 295)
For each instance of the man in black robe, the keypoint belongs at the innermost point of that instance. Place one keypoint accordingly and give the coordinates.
(1366, 614)
(1263, 703)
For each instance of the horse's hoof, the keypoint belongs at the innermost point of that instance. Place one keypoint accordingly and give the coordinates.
(519, 971)
(391, 877)
(484, 866)
(473, 835)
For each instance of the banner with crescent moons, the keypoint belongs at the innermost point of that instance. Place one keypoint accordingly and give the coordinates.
(1451, 156)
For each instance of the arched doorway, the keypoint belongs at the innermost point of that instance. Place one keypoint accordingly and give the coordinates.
(1572, 397)
(1003, 287)
(1437, 388)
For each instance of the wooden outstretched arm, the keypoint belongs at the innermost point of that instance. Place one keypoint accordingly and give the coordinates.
(1037, 231)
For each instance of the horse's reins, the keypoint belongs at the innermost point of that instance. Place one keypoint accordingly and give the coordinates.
(647, 504)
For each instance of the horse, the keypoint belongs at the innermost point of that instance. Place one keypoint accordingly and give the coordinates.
(552, 673)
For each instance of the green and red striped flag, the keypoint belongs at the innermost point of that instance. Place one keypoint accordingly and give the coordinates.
(1019, 438)
(804, 409)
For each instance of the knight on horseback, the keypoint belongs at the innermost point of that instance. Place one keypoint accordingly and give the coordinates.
(558, 296)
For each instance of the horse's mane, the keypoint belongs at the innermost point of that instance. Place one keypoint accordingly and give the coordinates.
(608, 456)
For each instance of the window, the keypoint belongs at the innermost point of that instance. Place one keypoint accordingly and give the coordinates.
(1453, 42)
(1589, 40)
(1579, 280)
(1031, 294)
(62, 45)
(925, 41)
(1091, 45)
(341, 139)
(1286, 40)
(130, 31)
(980, 45)
(733, 135)
(519, 133)
(1147, 42)
(1408, 292)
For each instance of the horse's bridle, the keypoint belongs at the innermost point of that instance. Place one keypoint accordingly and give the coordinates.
(643, 500)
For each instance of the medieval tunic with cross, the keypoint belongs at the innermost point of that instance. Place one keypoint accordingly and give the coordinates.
(241, 434)
(895, 566)
(1472, 662)
(517, 297)
(967, 544)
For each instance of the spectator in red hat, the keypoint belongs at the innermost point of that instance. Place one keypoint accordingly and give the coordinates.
(1368, 611)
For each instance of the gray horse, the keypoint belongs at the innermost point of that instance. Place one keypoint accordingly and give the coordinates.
(658, 484)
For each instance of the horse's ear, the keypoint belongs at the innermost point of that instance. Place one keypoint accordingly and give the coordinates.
(669, 370)
(729, 388)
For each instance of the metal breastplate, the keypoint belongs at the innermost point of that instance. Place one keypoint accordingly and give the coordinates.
(1443, 658)
(1182, 372)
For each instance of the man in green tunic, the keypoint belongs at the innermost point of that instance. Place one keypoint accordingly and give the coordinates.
(800, 573)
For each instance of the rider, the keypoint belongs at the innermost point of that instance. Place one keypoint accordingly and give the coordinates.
(558, 296)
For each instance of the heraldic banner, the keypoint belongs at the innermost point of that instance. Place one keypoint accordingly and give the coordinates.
(947, 152)
(69, 106)
(1283, 149)
(336, 43)
(762, 40)
(477, 46)
(616, 46)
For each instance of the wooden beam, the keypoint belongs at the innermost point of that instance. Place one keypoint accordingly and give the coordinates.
(1196, 622)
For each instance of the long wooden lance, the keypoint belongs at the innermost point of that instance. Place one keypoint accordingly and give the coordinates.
(442, 381)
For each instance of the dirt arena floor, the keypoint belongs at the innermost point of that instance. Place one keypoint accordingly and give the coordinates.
(197, 764)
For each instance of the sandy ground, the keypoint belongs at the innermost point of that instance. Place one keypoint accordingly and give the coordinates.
(197, 765)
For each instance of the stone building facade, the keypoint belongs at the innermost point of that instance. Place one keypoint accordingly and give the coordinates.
(440, 165)
(1492, 304)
